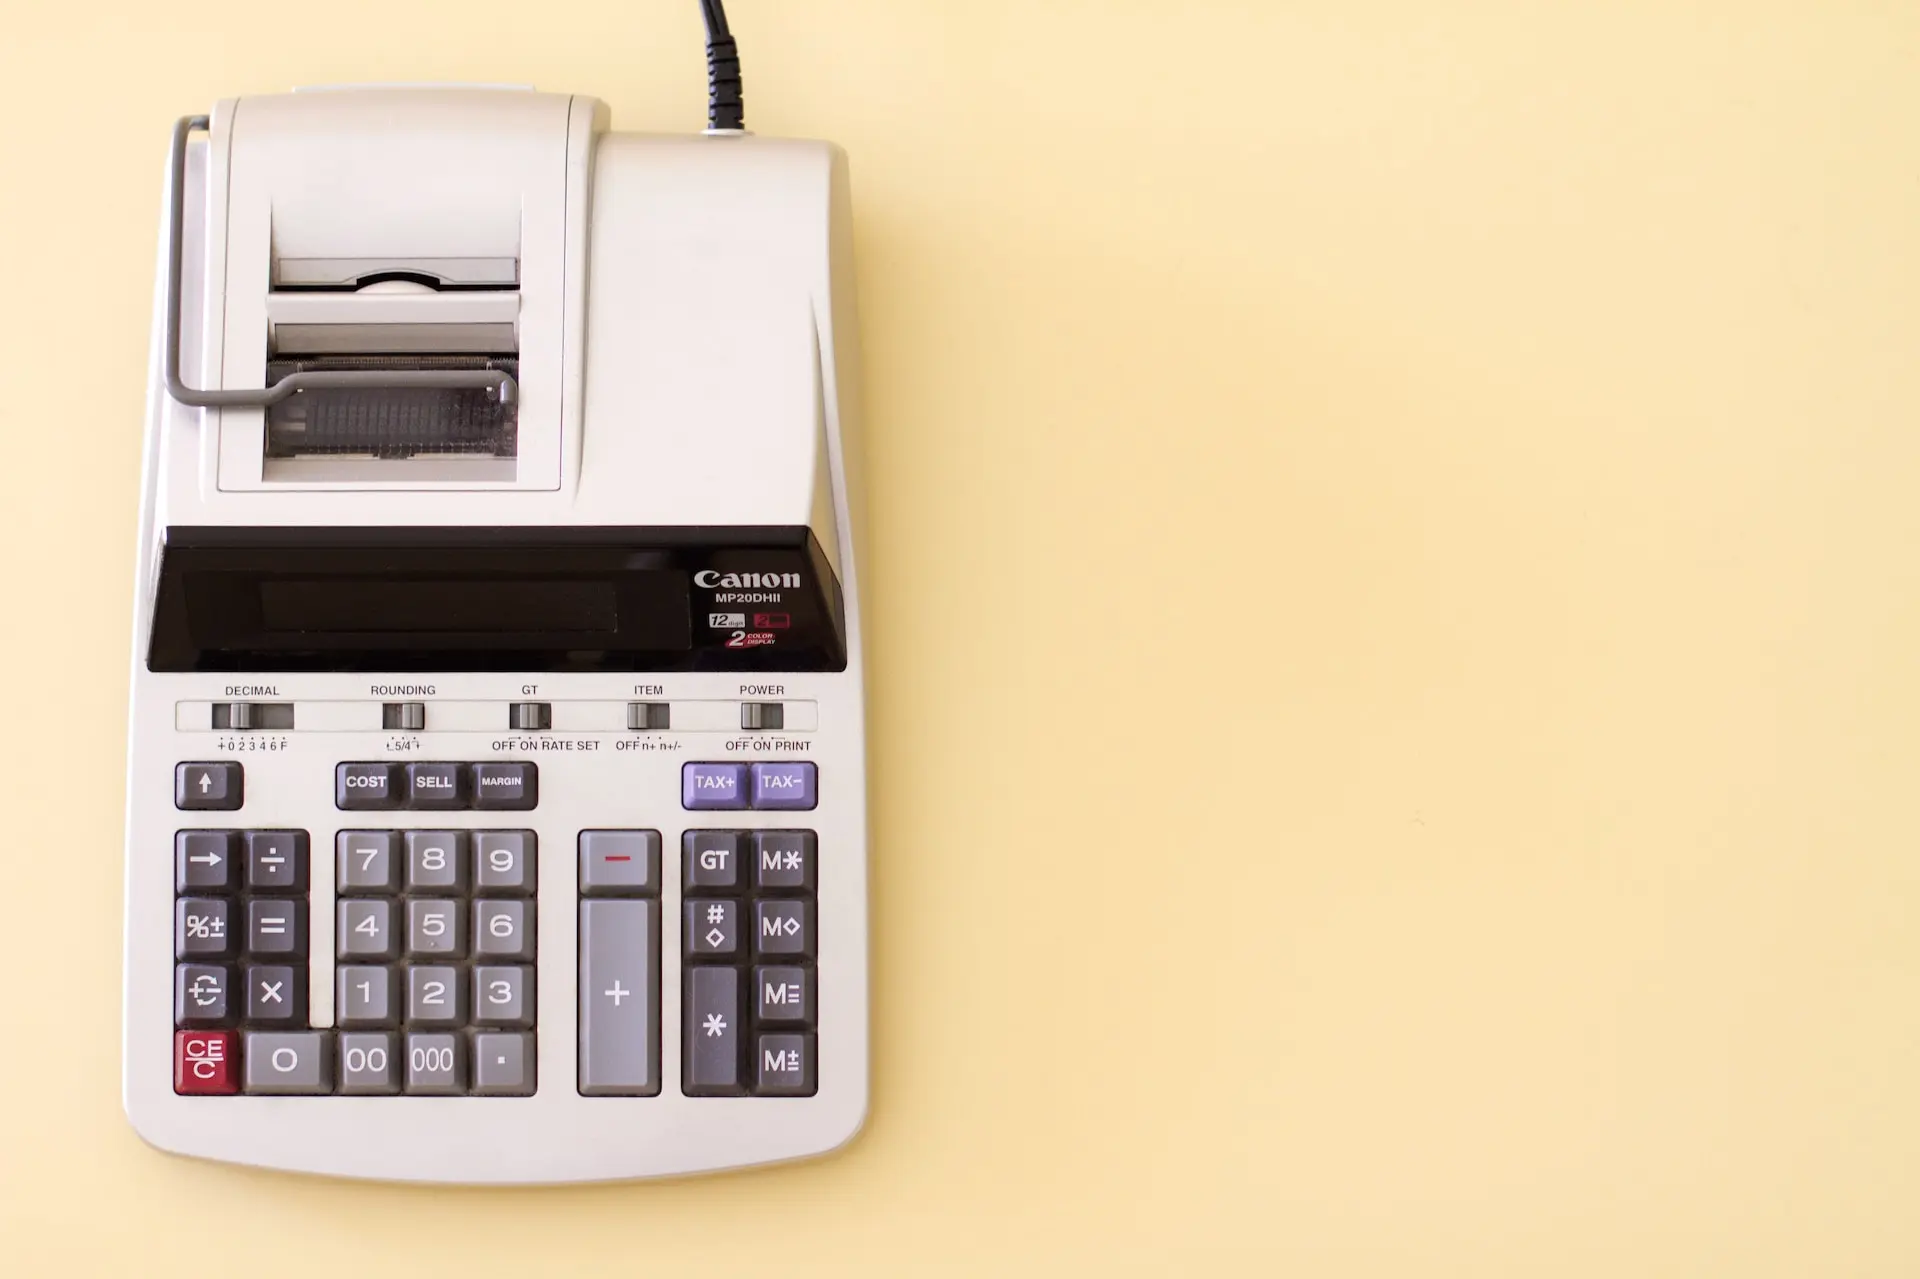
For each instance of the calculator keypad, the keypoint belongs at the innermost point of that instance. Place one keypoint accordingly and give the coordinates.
(748, 942)
(436, 936)
(417, 911)
(434, 940)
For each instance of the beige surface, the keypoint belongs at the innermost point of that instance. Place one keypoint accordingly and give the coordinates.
(1395, 621)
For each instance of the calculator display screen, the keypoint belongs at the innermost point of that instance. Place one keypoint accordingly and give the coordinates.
(496, 599)
(412, 605)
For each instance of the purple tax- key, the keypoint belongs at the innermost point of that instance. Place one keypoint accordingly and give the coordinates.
(784, 786)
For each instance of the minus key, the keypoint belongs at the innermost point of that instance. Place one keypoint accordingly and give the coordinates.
(619, 863)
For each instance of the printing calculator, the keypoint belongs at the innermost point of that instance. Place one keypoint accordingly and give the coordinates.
(496, 784)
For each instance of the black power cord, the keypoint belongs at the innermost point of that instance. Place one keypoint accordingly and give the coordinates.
(725, 109)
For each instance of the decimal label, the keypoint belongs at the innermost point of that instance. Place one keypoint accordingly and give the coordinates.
(252, 742)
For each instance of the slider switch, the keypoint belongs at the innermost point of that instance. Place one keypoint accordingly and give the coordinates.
(530, 717)
(762, 716)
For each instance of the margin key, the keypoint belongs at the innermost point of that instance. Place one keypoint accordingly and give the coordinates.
(619, 998)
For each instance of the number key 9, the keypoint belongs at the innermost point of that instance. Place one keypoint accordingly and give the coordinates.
(504, 862)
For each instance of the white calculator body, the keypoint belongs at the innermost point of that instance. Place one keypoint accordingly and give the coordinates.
(496, 783)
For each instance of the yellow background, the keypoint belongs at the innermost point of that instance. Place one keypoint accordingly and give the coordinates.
(1394, 529)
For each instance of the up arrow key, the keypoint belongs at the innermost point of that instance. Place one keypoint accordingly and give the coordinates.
(214, 786)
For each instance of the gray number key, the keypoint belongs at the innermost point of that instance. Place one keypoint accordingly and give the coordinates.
(367, 861)
(436, 1065)
(202, 994)
(502, 1064)
(436, 995)
(202, 928)
(204, 861)
(369, 1064)
(620, 863)
(436, 928)
(505, 861)
(619, 998)
(287, 1063)
(363, 995)
(711, 928)
(365, 929)
(436, 861)
(710, 1056)
(783, 928)
(276, 927)
(503, 929)
(502, 995)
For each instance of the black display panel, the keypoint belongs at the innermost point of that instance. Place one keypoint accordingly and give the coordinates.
(418, 605)
(496, 599)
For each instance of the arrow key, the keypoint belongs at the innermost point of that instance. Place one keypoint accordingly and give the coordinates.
(214, 787)
(204, 861)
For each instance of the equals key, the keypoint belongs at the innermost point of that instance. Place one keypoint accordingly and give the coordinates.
(619, 863)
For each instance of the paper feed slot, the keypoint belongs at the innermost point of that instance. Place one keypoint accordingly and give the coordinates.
(391, 319)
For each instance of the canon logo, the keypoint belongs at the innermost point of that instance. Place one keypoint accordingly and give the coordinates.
(709, 580)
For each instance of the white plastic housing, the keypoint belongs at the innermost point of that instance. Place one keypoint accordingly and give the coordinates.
(686, 328)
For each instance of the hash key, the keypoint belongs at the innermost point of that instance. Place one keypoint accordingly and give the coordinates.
(712, 927)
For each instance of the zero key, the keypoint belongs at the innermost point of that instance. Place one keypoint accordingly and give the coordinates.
(208, 787)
